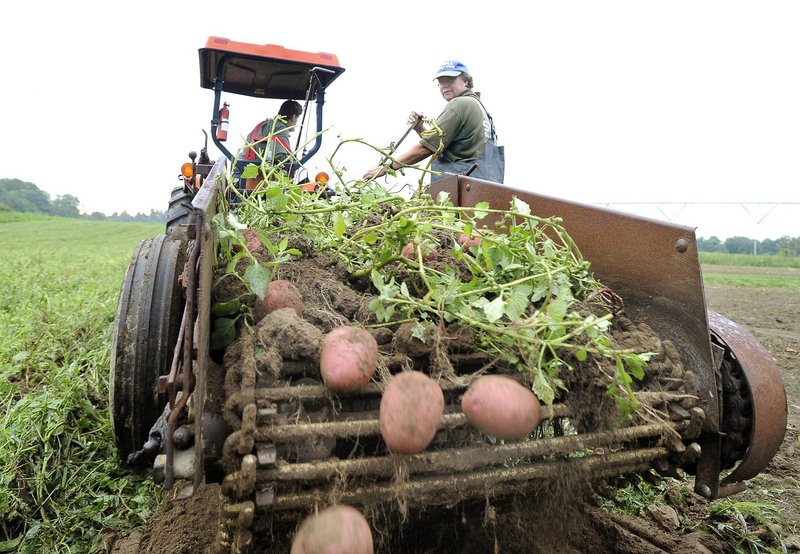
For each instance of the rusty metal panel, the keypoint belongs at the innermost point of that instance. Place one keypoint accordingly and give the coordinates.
(767, 395)
(204, 205)
(652, 265)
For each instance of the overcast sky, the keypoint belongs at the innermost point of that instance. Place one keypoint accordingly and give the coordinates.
(602, 102)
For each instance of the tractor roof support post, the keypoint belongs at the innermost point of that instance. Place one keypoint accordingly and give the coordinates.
(320, 103)
(219, 80)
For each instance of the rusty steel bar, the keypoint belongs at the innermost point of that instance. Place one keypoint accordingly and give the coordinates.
(367, 426)
(316, 392)
(459, 459)
(186, 374)
(205, 205)
(313, 392)
(480, 483)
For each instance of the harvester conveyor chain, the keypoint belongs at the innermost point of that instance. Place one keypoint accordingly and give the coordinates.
(458, 459)
(488, 482)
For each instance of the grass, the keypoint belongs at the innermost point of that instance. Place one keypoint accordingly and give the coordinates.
(748, 260)
(744, 280)
(746, 526)
(60, 485)
(712, 275)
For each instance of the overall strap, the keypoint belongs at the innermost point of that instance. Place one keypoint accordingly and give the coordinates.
(491, 121)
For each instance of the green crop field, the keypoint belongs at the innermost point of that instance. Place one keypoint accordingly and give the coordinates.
(61, 487)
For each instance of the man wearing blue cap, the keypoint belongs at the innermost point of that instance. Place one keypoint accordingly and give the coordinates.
(468, 135)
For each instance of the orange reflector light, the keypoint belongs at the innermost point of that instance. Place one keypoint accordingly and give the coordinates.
(186, 170)
(322, 178)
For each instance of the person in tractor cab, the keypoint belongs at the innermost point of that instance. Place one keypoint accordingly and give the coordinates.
(269, 142)
(470, 141)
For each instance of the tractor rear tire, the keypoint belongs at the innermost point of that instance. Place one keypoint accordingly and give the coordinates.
(180, 210)
(146, 329)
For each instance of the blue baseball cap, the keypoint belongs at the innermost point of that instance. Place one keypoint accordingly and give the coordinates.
(451, 68)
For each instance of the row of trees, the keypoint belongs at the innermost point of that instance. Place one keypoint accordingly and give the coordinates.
(21, 196)
(784, 246)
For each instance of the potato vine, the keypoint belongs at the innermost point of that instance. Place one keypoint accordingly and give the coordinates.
(519, 288)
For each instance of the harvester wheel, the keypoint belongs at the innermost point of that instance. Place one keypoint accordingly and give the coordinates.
(179, 211)
(145, 332)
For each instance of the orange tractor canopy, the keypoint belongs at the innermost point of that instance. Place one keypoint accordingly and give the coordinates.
(266, 71)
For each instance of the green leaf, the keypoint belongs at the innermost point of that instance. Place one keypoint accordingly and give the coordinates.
(443, 198)
(518, 301)
(223, 334)
(420, 332)
(636, 363)
(542, 389)
(557, 309)
(539, 292)
(376, 305)
(405, 227)
(11, 545)
(494, 310)
(370, 238)
(481, 210)
(250, 171)
(257, 278)
(520, 206)
(377, 280)
(339, 225)
(226, 308)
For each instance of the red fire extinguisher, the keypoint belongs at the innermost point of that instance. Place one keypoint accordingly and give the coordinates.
(222, 127)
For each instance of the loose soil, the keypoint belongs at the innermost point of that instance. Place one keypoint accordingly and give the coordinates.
(565, 516)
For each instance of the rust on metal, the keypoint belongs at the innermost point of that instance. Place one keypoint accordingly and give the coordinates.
(767, 394)
(494, 482)
(204, 205)
(652, 265)
(459, 459)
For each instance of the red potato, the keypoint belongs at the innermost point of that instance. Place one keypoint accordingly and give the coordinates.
(252, 240)
(429, 252)
(335, 530)
(501, 407)
(280, 294)
(348, 358)
(467, 241)
(410, 411)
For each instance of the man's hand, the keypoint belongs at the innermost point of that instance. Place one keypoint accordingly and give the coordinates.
(416, 119)
(374, 173)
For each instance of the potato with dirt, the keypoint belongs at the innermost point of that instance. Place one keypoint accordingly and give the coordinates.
(335, 530)
(410, 410)
(348, 358)
(280, 294)
(501, 407)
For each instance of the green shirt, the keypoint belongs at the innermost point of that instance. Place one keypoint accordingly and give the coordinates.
(465, 127)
